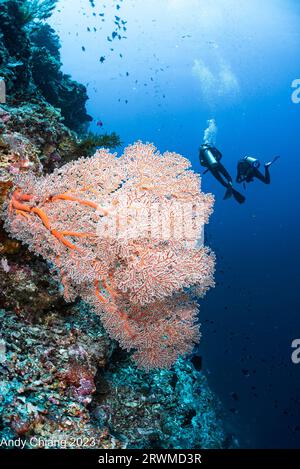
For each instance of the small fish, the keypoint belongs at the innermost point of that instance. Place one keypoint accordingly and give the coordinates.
(99, 124)
(83, 48)
(102, 59)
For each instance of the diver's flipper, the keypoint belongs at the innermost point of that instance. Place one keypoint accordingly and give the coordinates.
(228, 193)
(240, 198)
(237, 195)
(273, 161)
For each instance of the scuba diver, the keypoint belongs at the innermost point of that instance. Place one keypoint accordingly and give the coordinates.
(248, 170)
(210, 158)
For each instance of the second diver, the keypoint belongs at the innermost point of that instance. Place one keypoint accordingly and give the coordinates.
(248, 170)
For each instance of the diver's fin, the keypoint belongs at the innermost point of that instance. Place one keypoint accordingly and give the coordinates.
(272, 161)
(240, 198)
(228, 193)
(237, 195)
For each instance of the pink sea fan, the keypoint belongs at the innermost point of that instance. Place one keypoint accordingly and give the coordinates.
(123, 233)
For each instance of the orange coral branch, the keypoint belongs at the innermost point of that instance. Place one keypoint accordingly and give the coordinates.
(41, 214)
(77, 234)
(23, 209)
(64, 241)
(87, 203)
(19, 206)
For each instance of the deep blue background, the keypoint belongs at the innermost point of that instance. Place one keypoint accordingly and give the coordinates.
(152, 93)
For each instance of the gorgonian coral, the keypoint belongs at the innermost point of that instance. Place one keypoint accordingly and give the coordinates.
(123, 233)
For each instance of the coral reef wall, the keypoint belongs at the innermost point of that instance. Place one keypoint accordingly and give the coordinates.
(61, 376)
(30, 63)
(63, 380)
(45, 108)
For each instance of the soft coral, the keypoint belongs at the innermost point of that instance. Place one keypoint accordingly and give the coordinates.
(123, 234)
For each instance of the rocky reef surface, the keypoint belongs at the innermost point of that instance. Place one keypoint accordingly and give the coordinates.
(61, 377)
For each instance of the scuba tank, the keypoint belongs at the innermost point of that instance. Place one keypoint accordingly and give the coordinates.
(245, 168)
(253, 162)
(209, 156)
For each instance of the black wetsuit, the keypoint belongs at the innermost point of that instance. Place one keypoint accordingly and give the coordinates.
(247, 173)
(218, 171)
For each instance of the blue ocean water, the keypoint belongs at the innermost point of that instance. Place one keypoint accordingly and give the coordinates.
(177, 64)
